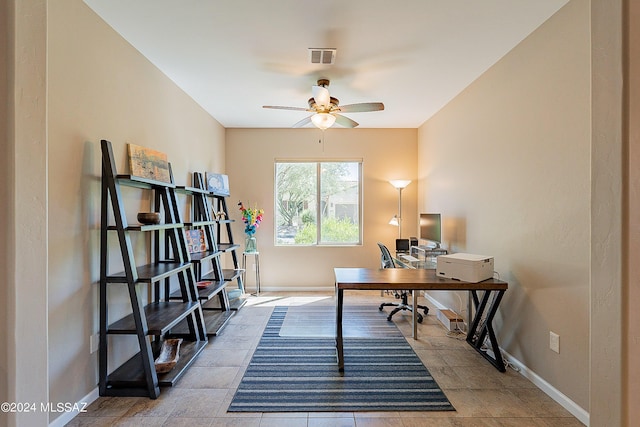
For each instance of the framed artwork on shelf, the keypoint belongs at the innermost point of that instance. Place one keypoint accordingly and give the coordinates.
(218, 183)
(148, 163)
(195, 241)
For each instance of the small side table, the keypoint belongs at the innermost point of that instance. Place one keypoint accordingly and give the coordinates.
(256, 256)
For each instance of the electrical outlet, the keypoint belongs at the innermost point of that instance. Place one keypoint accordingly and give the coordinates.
(554, 342)
(94, 343)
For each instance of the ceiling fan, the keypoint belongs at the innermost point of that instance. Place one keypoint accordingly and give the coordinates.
(326, 109)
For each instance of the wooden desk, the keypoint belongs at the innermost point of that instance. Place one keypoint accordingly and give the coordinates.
(422, 279)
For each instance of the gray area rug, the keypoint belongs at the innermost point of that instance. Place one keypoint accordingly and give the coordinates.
(300, 374)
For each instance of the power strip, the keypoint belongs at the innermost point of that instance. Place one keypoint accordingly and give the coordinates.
(450, 320)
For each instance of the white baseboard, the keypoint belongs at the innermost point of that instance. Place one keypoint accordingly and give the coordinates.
(65, 417)
(434, 301)
(548, 389)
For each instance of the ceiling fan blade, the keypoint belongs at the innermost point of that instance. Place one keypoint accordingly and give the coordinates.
(321, 96)
(302, 122)
(278, 107)
(345, 121)
(360, 108)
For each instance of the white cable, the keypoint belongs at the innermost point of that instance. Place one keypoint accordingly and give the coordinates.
(464, 325)
(507, 363)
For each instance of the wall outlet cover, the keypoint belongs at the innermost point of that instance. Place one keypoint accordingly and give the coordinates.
(554, 342)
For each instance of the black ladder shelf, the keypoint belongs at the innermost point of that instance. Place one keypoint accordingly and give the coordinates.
(237, 297)
(216, 311)
(154, 317)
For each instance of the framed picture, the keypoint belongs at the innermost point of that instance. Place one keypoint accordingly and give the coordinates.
(148, 163)
(218, 183)
(195, 241)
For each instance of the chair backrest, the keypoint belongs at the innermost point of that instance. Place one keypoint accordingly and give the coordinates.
(386, 261)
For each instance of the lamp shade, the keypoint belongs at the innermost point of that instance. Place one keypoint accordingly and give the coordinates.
(400, 183)
(323, 120)
(394, 221)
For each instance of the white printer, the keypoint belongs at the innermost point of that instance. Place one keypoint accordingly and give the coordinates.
(465, 267)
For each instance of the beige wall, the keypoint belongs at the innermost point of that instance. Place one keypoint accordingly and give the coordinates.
(607, 203)
(26, 187)
(507, 163)
(83, 121)
(99, 87)
(5, 176)
(632, 279)
(386, 153)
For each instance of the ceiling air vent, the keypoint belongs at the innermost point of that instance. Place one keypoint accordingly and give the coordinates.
(322, 56)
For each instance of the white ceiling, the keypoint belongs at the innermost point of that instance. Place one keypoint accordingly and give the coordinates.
(235, 56)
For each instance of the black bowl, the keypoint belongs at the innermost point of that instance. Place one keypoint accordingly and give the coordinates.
(149, 217)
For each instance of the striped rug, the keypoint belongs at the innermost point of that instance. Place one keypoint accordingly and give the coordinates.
(320, 321)
(291, 374)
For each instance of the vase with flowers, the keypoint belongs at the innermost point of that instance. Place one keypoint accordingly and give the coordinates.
(252, 217)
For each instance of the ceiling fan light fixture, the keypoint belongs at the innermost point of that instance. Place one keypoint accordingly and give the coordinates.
(323, 120)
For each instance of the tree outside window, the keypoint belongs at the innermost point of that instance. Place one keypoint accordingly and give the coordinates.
(318, 203)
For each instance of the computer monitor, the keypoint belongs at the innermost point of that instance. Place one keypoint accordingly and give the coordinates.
(431, 228)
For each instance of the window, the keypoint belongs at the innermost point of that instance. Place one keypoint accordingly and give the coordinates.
(318, 203)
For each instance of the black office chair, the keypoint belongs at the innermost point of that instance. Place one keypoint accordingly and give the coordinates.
(386, 261)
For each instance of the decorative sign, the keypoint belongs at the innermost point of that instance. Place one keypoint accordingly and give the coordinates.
(218, 184)
(195, 241)
(148, 163)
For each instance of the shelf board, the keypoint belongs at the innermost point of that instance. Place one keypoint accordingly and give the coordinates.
(139, 182)
(200, 223)
(231, 274)
(189, 350)
(190, 190)
(148, 227)
(227, 247)
(210, 291)
(199, 257)
(129, 375)
(218, 195)
(161, 317)
(236, 304)
(151, 273)
(236, 301)
(129, 380)
(215, 320)
(204, 294)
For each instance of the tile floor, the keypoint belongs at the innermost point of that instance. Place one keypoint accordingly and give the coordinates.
(481, 395)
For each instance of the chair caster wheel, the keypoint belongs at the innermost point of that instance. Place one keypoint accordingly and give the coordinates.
(389, 318)
(419, 319)
(380, 308)
(426, 311)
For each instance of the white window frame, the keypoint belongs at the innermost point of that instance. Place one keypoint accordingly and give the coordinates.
(319, 162)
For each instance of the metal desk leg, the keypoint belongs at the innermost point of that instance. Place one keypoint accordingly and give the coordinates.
(414, 297)
(480, 327)
(339, 342)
